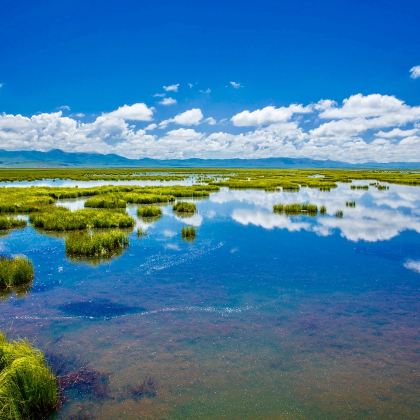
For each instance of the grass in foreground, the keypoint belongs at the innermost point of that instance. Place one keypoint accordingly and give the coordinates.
(15, 272)
(28, 388)
(184, 207)
(98, 244)
(188, 233)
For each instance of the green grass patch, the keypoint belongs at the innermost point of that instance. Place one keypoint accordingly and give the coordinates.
(105, 202)
(149, 211)
(188, 233)
(339, 214)
(28, 388)
(62, 219)
(15, 272)
(184, 207)
(97, 244)
(139, 198)
(7, 222)
(296, 208)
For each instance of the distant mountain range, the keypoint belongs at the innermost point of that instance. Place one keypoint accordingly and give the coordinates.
(58, 158)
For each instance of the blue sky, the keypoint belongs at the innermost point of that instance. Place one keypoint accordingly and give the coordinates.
(93, 57)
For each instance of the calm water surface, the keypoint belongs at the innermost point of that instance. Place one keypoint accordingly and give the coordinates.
(262, 316)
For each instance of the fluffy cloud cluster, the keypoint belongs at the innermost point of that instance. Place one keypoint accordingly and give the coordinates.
(362, 128)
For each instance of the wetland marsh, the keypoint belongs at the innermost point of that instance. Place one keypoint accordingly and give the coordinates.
(157, 300)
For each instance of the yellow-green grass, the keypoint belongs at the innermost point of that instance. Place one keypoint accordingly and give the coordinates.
(7, 222)
(296, 208)
(188, 233)
(184, 207)
(149, 211)
(28, 388)
(96, 244)
(106, 202)
(62, 219)
(15, 272)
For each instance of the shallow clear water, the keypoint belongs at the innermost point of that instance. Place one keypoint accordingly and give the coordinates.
(262, 316)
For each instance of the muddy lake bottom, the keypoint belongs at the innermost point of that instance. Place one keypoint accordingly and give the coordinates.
(262, 316)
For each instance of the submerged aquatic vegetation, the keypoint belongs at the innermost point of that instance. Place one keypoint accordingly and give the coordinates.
(15, 272)
(184, 207)
(7, 222)
(350, 203)
(105, 202)
(62, 219)
(147, 388)
(339, 213)
(149, 211)
(28, 388)
(97, 244)
(296, 208)
(188, 233)
(86, 381)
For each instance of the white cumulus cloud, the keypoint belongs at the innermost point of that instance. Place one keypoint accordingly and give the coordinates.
(268, 115)
(415, 72)
(172, 88)
(168, 101)
(135, 112)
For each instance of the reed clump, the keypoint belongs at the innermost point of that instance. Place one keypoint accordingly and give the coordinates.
(7, 222)
(359, 187)
(15, 272)
(339, 214)
(107, 202)
(139, 198)
(322, 210)
(62, 219)
(296, 208)
(184, 207)
(96, 244)
(28, 388)
(188, 233)
(149, 211)
(350, 203)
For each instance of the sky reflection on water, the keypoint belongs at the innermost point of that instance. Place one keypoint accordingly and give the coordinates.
(315, 317)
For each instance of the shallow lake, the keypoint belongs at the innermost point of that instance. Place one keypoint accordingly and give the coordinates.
(262, 316)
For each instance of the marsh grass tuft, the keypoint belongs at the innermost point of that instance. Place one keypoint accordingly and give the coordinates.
(96, 244)
(106, 202)
(62, 219)
(188, 233)
(7, 222)
(296, 208)
(350, 203)
(15, 272)
(322, 210)
(339, 214)
(184, 207)
(149, 211)
(28, 388)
